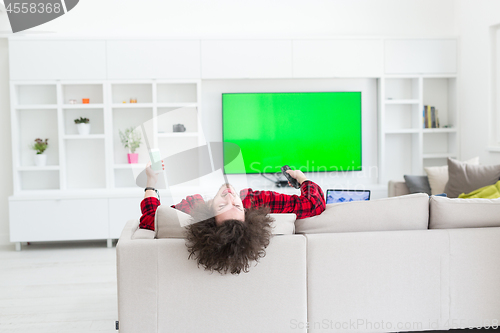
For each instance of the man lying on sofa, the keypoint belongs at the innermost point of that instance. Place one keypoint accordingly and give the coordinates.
(232, 230)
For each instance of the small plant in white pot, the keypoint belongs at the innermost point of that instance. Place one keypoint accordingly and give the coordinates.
(40, 146)
(83, 126)
(131, 139)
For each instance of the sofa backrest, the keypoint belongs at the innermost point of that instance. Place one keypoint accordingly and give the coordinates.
(409, 212)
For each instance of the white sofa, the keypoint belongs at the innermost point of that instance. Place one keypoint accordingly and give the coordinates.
(376, 281)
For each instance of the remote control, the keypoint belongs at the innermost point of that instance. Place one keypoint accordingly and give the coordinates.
(155, 157)
(291, 180)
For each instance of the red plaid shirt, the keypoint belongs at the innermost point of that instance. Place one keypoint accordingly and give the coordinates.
(311, 202)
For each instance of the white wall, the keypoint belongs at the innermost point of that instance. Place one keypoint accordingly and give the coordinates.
(474, 19)
(229, 18)
(6, 186)
(259, 17)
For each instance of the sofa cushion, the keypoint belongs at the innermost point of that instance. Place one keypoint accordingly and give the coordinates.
(447, 213)
(465, 178)
(171, 223)
(407, 212)
(438, 176)
(418, 184)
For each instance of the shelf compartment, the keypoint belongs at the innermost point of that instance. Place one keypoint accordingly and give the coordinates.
(441, 93)
(35, 94)
(142, 92)
(85, 164)
(39, 180)
(402, 118)
(94, 92)
(406, 148)
(37, 124)
(126, 118)
(95, 116)
(177, 93)
(440, 143)
(187, 116)
(401, 89)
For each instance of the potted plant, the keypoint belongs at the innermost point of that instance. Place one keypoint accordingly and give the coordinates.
(40, 146)
(83, 126)
(131, 139)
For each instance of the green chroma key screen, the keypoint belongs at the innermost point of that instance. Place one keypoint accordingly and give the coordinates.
(316, 131)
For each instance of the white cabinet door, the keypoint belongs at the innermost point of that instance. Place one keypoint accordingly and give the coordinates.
(54, 220)
(155, 59)
(241, 59)
(421, 56)
(337, 58)
(122, 210)
(57, 60)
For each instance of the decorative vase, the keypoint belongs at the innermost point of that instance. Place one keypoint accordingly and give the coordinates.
(133, 158)
(40, 160)
(83, 129)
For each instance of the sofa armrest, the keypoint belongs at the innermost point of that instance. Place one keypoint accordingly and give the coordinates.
(137, 276)
(132, 231)
(397, 188)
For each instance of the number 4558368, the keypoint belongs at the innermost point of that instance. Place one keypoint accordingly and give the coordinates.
(24, 7)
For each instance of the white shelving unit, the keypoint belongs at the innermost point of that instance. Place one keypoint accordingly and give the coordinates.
(97, 160)
(402, 132)
(83, 166)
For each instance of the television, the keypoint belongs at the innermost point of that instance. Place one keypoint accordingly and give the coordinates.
(310, 131)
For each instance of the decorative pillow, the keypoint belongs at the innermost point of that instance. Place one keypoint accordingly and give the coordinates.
(465, 178)
(407, 212)
(446, 213)
(171, 223)
(438, 176)
(418, 184)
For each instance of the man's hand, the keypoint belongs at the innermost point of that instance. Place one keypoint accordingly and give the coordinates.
(297, 174)
(152, 176)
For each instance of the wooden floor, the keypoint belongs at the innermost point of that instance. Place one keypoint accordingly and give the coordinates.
(58, 287)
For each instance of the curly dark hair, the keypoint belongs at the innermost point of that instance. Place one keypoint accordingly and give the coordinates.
(230, 246)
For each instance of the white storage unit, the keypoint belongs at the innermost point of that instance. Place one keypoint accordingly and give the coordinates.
(56, 220)
(153, 59)
(57, 59)
(165, 77)
(337, 58)
(247, 59)
(79, 167)
(421, 56)
(402, 131)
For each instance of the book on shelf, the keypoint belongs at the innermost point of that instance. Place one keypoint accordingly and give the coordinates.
(430, 117)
